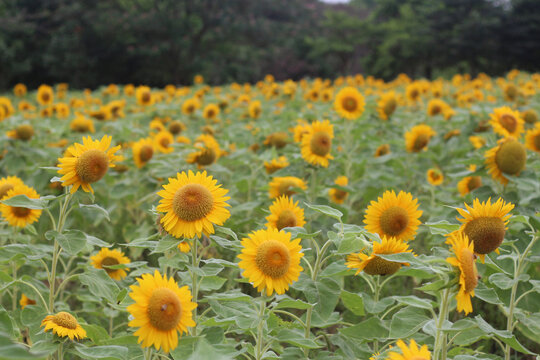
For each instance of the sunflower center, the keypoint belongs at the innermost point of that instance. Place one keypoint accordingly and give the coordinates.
(20, 212)
(164, 142)
(468, 269)
(207, 156)
(190, 109)
(146, 153)
(394, 220)
(511, 157)
(146, 97)
(4, 189)
(210, 113)
(435, 110)
(508, 122)
(414, 94)
(487, 233)
(25, 132)
(65, 320)
(286, 219)
(164, 309)
(273, 258)
(536, 141)
(390, 106)
(474, 183)
(420, 142)
(192, 202)
(511, 91)
(45, 96)
(380, 266)
(349, 103)
(285, 187)
(109, 261)
(340, 194)
(418, 358)
(175, 127)
(320, 143)
(92, 165)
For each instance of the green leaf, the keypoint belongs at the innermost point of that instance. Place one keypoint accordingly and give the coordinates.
(25, 202)
(100, 284)
(503, 335)
(132, 265)
(406, 322)
(292, 304)
(72, 241)
(210, 283)
(296, 338)
(102, 352)
(165, 244)
(414, 301)
(353, 302)
(326, 210)
(12, 351)
(487, 294)
(370, 329)
(442, 227)
(97, 208)
(501, 281)
(6, 324)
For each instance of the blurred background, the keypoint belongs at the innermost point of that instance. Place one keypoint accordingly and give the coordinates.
(87, 43)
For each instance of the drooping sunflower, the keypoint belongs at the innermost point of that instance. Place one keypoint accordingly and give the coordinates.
(64, 324)
(387, 105)
(382, 150)
(144, 96)
(285, 185)
(349, 103)
(211, 111)
(375, 265)
(435, 177)
(161, 310)
(23, 132)
(485, 224)
(25, 301)
(143, 151)
(452, 133)
(465, 260)
(393, 216)
(163, 141)
(19, 216)
(45, 95)
(284, 212)
(418, 138)
(109, 257)
(276, 164)
(317, 143)
(271, 260)
(192, 203)
(411, 352)
(89, 163)
(508, 157)
(532, 138)
(82, 124)
(507, 122)
(208, 151)
(338, 196)
(278, 140)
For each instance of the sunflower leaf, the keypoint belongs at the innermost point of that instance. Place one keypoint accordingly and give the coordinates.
(326, 210)
(26, 202)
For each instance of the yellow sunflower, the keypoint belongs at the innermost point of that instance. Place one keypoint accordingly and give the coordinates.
(477, 141)
(485, 224)
(317, 143)
(435, 177)
(382, 150)
(393, 216)
(211, 111)
(468, 184)
(184, 246)
(89, 163)
(25, 301)
(532, 138)
(278, 140)
(82, 124)
(110, 257)
(45, 95)
(284, 212)
(387, 105)
(413, 92)
(144, 96)
(508, 157)
(270, 260)
(285, 186)
(23, 132)
(161, 310)
(465, 260)
(436, 107)
(530, 116)
(338, 196)
(507, 122)
(163, 141)
(176, 127)
(411, 352)
(19, 90)
(64, 324)
(143, 151)
(192, 203)
(19, 216)
(190, 106)
(208, 151)
(349, 103)
(375, 265)
(300, 130)
(418, 138)
(255, 109)
(276, 164)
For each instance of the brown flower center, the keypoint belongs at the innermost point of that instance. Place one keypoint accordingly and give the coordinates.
(435, 110)
(273, 258)
(286, 219)
(25, 132)
(468, 269)
(45, 96)
(414, 94)
(383, 150)
(164, 309)
(530, 116)
(487, 233)
(285, 187)
(92, 165)
(146, 97)
(340, 194)
(380, 266)
(190, 109)
(511, 157)
(65, 320)
(20, 212)
(350, 104)
(206, 157)
(320, 143)
(175, 127)
(192, 202)
(508, 122)
(474, 183)
(394, 220)
(146, 153)
(109, 261)
(278, 140)
(418, 358)
(210, 113)
(390, 106)
(536, 142)
(420, 142)
(4, 189)
(511, 92)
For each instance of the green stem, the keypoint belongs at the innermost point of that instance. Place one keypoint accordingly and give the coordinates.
(148, 353)
(194, 280)
(260, 330)
(60, 351)
(377, 293)
(440, 337)
(14, 292)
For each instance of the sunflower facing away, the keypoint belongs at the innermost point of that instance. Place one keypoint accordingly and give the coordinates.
(317, 143)
(418, 138)
(532, 138)
(375, 265)
(508, 157)
(143, 151)
(192, 203)
(465, 260)
(23, 132)
(20, 216)
(161, 310)
(468, 184)
(411, 352)
(270, 260)
(393, 216)
(349, 103)
(64, 324)
(109, 257)
(338, 196)
(285, 186)
(284, 212)
(89, 163)
(507, 122)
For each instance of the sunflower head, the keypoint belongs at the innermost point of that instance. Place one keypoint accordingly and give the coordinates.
(23, 132)
(507, 122)
(530, 116)
(532, 138)
(25, 301)
(143, 151)
(349, 103)
(465, 259)
(278, 140)
(382, 150)
(45, 95)
(64, 324)
(107, 257)
(375, 265)
(276, 164)
(468, 184)
(285, 186)
(338, 196)
(8, 183)
(387, 105)
(316, 144)
(176, 127)
(411, 352)
(435, 177)
(284, 212)
(508, 157)
(19, 216)
(418, 138)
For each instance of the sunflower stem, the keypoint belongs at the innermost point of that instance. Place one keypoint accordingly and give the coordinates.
(439, 348)
(377, 294)
(260, 333)
(194, 281)
(148, 353)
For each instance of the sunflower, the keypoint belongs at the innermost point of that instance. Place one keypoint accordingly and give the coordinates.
(19, 90)
(109, 257)
(532, 138)
(15, 215)
(255, 109)
(270, 260)
(284, 212)
(285, 186)
(508, 157)
(530, 116)
(211, 111)
(418, 138)
(89, 163)
(435, 177)
(382, 150)
(485, 224)
(184, 246)
(144, 96)
(349, 103)
(208, 151)
(192, 203)
(413, 92)
(23, 132)
(25, 301)
(45, 95)
(278, 140)
(163, 141)
(161, 310)
(82, 124)
(276, 164)
(507, 122)
(317, 143)
(143, 151)
(468, 184)
(387, 105)
(190, 106)
(510, 92)
(300, 130)
(176, 127)
(338, 196)
(393, 216)
(452, 133)
(436, 107)
(411, 352)
(477, 141)
(375, 265)
(64, 324)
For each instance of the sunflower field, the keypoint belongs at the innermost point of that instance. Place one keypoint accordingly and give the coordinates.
(346, 218)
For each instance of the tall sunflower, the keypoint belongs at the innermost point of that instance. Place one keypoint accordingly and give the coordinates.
(532, 138)
(317, 143)
(270, 260)
(20, 216)
(418, 138)
(349, 103)
(64, 324)
(143, 151)
(284, 212)
(107, 257)
(338, 196)
(508, 157)
(393, 216)
(89, 163)
(192, 203)
(387, 105)
(161, 310)
(465, 260)
(507, 122)
(375, 265)
(285, 185)
(190, 106)
(208, 151)
(411, 352)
